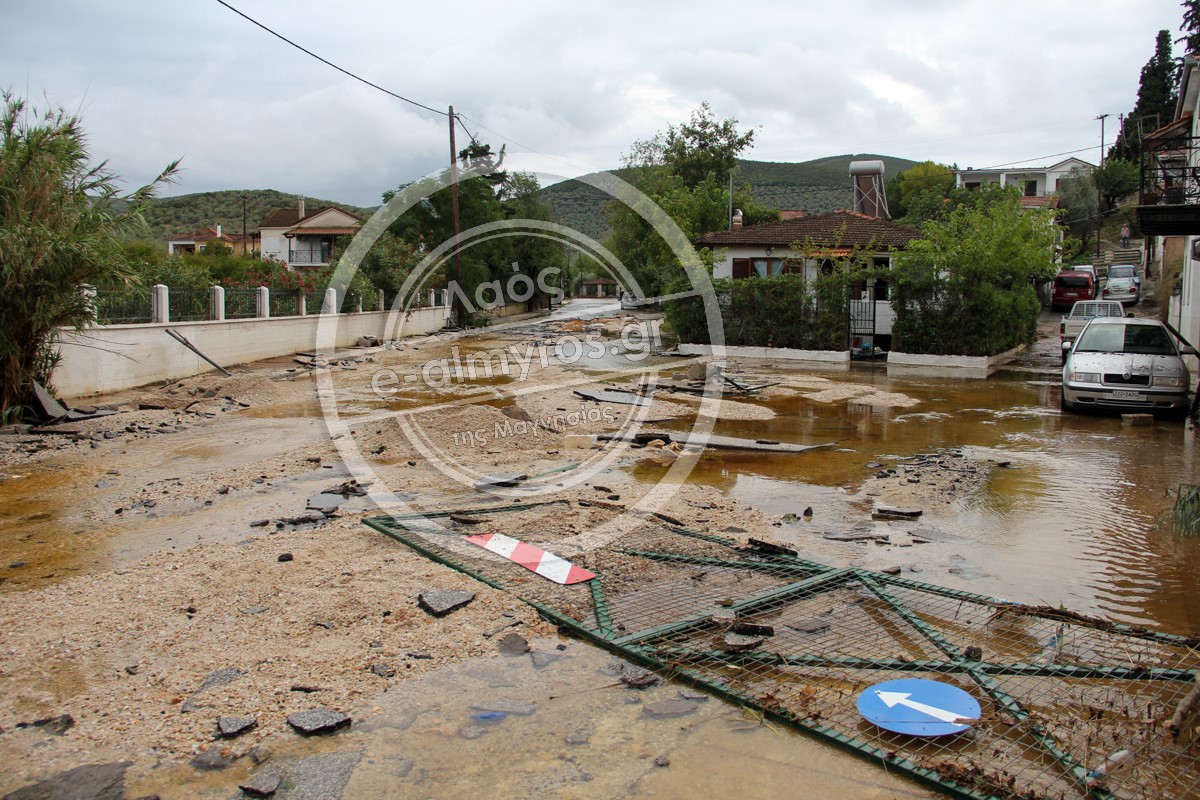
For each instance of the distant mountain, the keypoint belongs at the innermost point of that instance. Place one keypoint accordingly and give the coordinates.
(817, 186)
(169, 216)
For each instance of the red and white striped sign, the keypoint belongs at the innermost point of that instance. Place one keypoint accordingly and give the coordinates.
(532, 558)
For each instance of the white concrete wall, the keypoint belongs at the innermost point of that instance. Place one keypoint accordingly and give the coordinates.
(115, 357)
(774, 353)
(964, 366)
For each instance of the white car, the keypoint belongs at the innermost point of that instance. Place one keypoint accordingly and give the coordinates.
(1122, 289)
(1125, 364)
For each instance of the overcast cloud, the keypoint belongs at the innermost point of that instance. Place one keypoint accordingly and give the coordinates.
(568, 87)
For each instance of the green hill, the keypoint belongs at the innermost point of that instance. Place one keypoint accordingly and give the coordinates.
(817, 186)
(169, 216)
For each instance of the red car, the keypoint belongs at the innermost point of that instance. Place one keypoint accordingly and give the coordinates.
(1071, 286)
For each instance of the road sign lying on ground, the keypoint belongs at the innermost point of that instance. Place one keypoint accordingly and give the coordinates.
(532, 558)
(918, 707)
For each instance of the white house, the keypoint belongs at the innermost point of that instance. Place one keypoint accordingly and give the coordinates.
(1033, 181)
(302, 239)
(810, 244)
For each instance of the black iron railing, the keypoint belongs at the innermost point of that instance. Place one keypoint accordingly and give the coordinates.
(1170, 172)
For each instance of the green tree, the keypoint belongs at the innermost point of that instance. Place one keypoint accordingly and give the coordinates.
(920, 192)
(1116, 178)
(967, 287)
(1079, 203)
(1155, 100)
(685, 172)
(1191, 27)
(62, 226)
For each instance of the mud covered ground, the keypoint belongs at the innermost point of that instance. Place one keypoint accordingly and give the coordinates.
(161, 567)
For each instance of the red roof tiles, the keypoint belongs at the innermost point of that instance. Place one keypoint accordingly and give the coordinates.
(838, 228)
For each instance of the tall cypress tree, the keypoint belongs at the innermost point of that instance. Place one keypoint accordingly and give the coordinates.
(1156, 96)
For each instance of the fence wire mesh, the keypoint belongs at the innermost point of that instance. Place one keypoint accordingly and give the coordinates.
(1071, 706)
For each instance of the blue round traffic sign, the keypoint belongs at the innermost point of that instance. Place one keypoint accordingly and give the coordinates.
(918, 707)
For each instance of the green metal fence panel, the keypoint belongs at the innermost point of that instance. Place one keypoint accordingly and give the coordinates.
(123, 307)
(285, 302)
(241, 303)
(189, 305)
(1072, 706)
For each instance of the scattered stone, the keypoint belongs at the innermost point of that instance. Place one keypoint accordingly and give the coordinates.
(769, 547)
(973, 653)
(542, 660)
(284, 557)
(873, 465)
(132, 669)
(252, 610)
(809, 625)
(305, 688)
(383, 670)
(232, 727)
(665, 709)
(490, 632)
(440, 602)
(638, 678)
(892, 570)
(318, 721)
(17, 564)
(693, 695)
(419, 656)
(211, 760)
(216, 679)
(578, 738)
(262, 784)
(472, 732)
(260, 523)
(662, 761)
(56, 726)
(89, 782)
(738, 643)
(513, 644)
(261, 754)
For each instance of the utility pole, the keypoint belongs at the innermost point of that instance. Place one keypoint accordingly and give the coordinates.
(459, 316)
(243, 224)
(1099, 193)
(729, 216)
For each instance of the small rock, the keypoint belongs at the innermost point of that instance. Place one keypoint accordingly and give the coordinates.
(665, 709)
(232, 727)
(440, 602)
(541, 659)
(662, 761)
(513, 644)
(578, 738)
(132, 669)
(739, 643)
(211, 760)
(262, 784)
(318, 721)
(261, 754)
(383, 670)
(260, 523)
(973, 653)
(283, 557)
(52, 725)
(472, 732)
(891, 570)
(692, 694)
(638, 678)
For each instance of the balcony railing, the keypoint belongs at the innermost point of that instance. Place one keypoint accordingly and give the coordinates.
(307, 257)
(1169, 192)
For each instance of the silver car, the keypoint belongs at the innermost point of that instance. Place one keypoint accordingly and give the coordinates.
(1123, 290)
(1128, 365)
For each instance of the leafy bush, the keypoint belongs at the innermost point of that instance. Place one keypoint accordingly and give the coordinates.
(782, 311)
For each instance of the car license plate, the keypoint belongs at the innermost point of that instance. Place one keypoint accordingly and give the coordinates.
(1127, 395)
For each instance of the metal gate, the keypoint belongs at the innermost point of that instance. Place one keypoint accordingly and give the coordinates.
(861, 330)
(1072, 706)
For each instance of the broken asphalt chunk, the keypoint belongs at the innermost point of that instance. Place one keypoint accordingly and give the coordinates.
(318, 721)
(262, 784)
(232, 727)
(440, 602)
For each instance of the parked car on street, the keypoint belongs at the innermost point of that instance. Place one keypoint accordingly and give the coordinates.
(1081, 312)
(1089, 268)
(1125, 271)
(1072, 285)
(1125, 364)
(1123, 290)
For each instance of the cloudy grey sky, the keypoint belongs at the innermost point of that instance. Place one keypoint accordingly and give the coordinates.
(568, 86)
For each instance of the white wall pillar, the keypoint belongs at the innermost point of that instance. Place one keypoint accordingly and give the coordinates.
(331, 301)
(216, 303)
(379, 306)
(160, 304)
(264, 302)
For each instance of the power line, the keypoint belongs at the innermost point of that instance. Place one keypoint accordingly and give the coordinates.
(330, 63)
(1035, 158)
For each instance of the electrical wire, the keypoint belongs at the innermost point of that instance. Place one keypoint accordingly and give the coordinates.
(330, 63)
(1037, 158)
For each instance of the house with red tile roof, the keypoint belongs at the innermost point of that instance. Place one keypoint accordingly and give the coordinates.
(803, 243)
(301, 238)
(194, 241)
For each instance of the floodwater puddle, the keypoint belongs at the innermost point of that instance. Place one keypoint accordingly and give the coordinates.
(554, 722)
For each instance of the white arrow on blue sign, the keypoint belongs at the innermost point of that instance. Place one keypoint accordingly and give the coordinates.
(918, 707)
